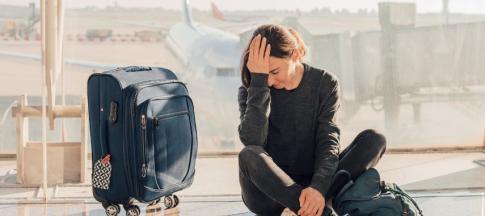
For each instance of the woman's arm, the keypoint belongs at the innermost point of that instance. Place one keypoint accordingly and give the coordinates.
(253, 106)
(327, 140)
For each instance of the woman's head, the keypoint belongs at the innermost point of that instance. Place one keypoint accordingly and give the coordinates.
(287, 50)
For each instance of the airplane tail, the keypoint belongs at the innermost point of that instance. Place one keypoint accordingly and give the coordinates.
(187, 13)
(216, 13)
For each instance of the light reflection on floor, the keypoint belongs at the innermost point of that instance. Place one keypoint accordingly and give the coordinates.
(469, 203)
(442, 184)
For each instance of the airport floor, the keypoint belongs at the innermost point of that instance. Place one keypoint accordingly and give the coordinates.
(441, 183)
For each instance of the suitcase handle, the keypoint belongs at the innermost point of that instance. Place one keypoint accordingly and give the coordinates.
(113, 112)
(102, 124)
(137, 69)
(104, 138)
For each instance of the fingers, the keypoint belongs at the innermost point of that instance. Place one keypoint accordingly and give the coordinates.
(302, 202)
(257, 46)
(302, 198)
(258, 56)
(310, 206)
(320, 210)
(262, 48)
(314, 208)
(266, 55)
(301, 211)
(307, 204)
(306, 207)
(251, 48)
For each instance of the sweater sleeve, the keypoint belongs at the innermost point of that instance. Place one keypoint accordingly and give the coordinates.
(253, 106)
(327, 141)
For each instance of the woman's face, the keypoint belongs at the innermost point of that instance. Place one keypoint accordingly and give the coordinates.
(280, 70)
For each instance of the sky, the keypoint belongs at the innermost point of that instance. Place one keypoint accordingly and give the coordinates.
(423, 6)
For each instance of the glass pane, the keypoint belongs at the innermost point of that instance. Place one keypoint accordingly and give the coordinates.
(426, 73)
(438, 91)
(20, 63)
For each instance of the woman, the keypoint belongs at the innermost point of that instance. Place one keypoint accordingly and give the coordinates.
(290, 158)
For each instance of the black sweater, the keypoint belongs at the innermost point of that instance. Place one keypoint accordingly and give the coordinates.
(300, 133)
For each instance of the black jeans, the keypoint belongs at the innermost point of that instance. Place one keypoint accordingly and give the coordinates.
(266, 189)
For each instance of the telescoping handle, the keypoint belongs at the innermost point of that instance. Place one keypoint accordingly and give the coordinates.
(136, 69)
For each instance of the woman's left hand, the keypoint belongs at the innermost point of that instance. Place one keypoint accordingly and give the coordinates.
(311, 202)
(258, 60)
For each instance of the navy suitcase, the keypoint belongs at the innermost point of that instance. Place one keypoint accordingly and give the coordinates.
(143, 137)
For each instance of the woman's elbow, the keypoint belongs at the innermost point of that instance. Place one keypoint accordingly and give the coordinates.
(248, 139)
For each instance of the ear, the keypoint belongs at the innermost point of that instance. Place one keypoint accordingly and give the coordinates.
(296, 55)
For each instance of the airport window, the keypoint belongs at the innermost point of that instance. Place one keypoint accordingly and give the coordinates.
(411, 71)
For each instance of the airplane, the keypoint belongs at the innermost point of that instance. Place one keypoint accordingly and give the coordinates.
(209, 51)
(211, 58)
(205, 51)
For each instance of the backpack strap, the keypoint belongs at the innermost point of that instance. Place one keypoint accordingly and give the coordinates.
(399, 191)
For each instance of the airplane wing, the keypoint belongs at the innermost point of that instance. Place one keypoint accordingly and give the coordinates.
(74, 62)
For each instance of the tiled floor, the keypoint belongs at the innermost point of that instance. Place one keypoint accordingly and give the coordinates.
(442, 184)
(439, 204)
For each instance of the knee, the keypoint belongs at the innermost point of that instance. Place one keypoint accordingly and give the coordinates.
(374, 138)
(249, 154)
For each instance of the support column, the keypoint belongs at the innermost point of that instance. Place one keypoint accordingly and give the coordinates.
(392, 17)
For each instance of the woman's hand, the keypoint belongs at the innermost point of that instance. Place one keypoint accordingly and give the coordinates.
(258, 60)
(311, 202)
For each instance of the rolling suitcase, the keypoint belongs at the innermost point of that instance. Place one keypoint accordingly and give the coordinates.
(143, 137)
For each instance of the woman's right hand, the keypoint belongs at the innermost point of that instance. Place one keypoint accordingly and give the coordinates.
(258, 59)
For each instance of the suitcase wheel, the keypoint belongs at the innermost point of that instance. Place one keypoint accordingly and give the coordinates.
(111, 209)
(176, 199)
(132, 210)
(171, 201)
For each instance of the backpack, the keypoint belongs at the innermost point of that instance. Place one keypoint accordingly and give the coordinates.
(368, 195)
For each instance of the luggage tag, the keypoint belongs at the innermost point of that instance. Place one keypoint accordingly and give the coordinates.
(102, 173)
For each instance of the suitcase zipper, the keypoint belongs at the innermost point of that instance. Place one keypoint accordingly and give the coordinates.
(143, 145)
(164, 116)
(156, 118)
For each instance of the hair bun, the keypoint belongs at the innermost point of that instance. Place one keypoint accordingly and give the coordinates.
(301, 45)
